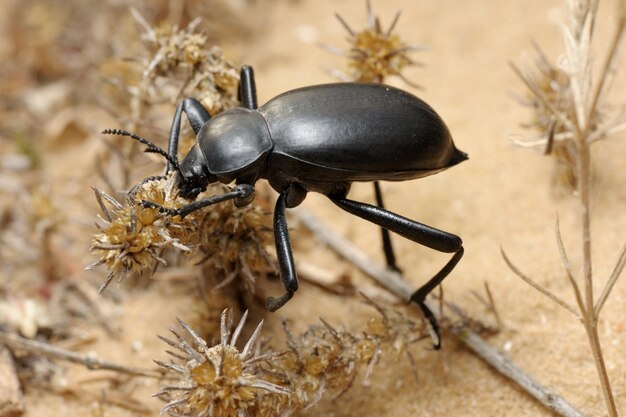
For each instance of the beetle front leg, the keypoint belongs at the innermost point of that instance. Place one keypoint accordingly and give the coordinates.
(240, 192)
(288, 275)
(197, 116)
(417, 232)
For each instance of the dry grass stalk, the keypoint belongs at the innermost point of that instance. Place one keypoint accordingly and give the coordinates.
(581, 121)
(562, 101)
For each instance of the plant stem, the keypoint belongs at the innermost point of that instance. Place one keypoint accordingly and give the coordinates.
(598, 358)
(590, 317)
(584, 161)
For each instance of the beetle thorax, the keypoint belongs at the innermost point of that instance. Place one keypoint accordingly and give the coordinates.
(235, 144)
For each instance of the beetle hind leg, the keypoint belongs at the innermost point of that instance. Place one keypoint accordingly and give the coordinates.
(417, 232)
(390, 256)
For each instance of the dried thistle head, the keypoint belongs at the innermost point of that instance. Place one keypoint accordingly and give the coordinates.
(225, 381)
(134, 236)
(374, 53)
(326, 358)
(220, 380)
(229, 238)
(179, 62)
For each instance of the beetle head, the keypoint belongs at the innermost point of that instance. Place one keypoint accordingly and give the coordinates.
(193, 174)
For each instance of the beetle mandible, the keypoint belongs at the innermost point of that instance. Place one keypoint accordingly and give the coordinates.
(319, 138)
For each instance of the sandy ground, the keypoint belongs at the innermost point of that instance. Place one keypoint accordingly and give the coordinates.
(501, 197)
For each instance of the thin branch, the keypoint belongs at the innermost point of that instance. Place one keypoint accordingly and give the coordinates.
(608, 71)
(538, 287)
(507, 367)
(14, 341)
(619, 266)
(394, 283)
(568, 269)
(492, 305)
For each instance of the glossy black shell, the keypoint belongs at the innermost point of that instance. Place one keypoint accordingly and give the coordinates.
(355, 132)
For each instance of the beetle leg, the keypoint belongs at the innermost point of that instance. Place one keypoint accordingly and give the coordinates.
(284, 254)
(417, 232)
(241, 191)
(390, 257)
(197, 116)
(246, 93)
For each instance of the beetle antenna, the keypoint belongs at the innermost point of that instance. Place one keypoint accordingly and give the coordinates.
(151, 147)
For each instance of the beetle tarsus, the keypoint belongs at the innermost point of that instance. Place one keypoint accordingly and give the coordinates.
(435, 333)
(273, 304)
(419, 296)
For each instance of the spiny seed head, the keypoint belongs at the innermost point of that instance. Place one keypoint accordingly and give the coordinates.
(134, 236)
(217, 381)
(376, 54)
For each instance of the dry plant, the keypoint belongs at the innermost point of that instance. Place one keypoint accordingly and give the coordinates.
(554, 135)
(573, 105)
(223, 380)
(133, 237)
(179, 63)
(374, 53)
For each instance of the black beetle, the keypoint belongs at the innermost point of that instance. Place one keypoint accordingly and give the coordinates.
(319, 138)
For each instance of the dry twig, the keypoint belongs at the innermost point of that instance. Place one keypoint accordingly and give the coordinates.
(11, 400)
(89, 361)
